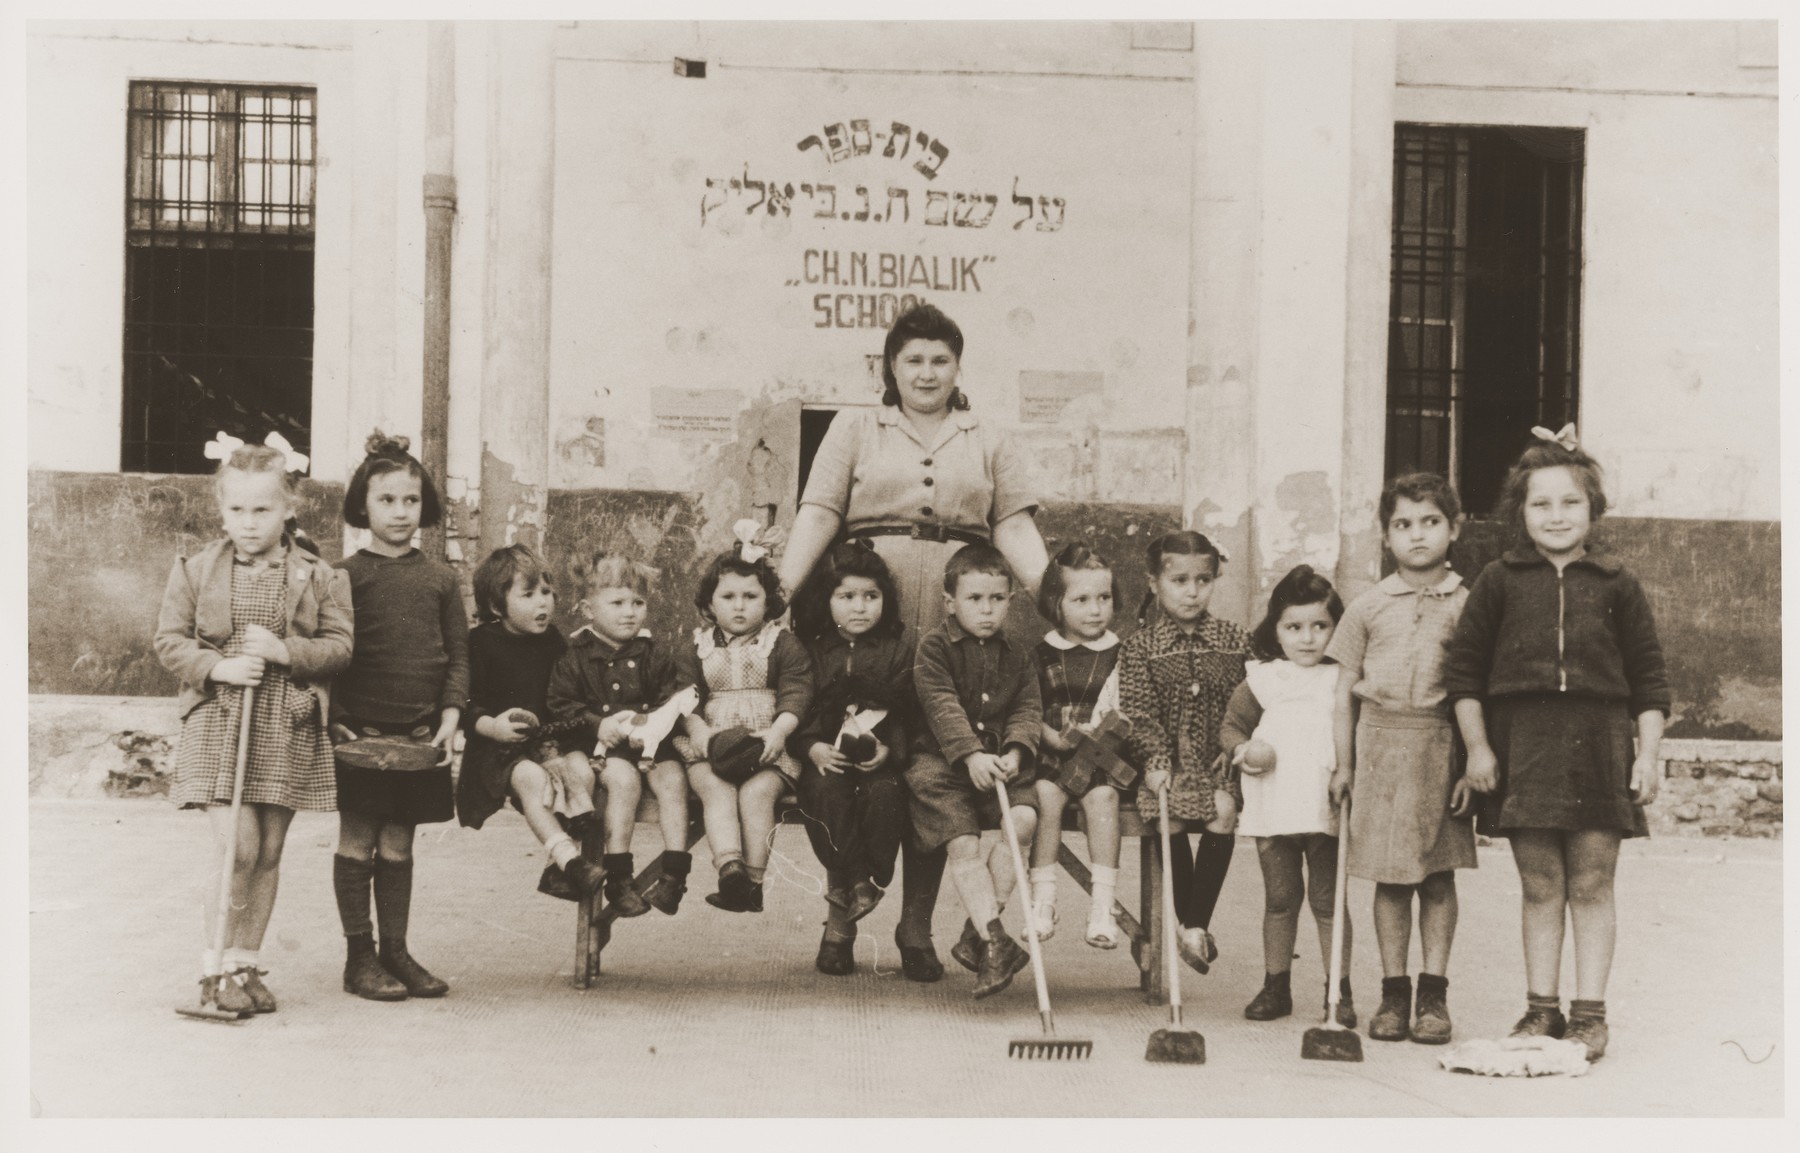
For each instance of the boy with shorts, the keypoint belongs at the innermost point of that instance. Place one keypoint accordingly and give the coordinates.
(983, 719)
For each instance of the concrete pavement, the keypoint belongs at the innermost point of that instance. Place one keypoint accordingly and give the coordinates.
(715, 1014)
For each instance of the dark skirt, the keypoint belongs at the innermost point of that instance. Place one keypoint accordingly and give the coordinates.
(1565, 763)
(484, 784)
(399, 797)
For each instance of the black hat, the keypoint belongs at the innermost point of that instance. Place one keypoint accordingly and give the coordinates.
(734, 754)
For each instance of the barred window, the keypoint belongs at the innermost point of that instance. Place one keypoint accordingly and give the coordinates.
(218, 269)
(1484, 316)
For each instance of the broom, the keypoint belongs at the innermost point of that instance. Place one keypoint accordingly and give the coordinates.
(1048, 1047)
(1331, 1041)
(1173, 1045)
(208, 1009)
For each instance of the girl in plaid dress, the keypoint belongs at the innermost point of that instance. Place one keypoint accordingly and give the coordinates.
(755, 683)
(252, 611)
(1175, 678)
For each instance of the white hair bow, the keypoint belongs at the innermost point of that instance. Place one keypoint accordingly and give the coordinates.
(221, 446)
(296, 461)
(1564, 436)
(745, 530)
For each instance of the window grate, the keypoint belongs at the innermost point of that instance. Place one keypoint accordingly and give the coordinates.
(1484, 303)
(218, 269)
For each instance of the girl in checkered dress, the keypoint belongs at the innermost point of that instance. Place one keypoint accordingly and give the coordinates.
(253, 611)
(755, 683)
(1176, 676)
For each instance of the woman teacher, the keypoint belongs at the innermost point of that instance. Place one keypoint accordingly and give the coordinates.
(918, 477)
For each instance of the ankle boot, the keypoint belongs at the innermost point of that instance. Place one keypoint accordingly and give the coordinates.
(1543, 1018)
(1587, 1024)
(837, 956)
(1001, 958)
(620, 894)
(664, 894)
(363, 974)
(1394, 1014)
(967, 950)
(581, 875)
(1275, 1000)
(414, 976)
(1431, 1025)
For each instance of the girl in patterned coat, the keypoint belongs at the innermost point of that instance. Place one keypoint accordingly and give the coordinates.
(253, 611)
(1175, 678)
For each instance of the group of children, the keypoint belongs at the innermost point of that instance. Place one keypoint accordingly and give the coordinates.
(1420, 703)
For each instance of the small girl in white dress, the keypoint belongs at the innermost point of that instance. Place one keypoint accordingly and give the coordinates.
(1278, 732)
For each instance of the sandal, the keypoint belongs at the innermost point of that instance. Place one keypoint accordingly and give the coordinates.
(1104, 934)
(1043, 913)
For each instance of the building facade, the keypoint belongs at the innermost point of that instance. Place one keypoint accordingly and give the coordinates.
(614, 279)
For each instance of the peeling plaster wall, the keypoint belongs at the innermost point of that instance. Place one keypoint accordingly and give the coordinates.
(100, 549)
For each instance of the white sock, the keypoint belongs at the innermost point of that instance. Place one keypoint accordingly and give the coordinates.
(976, 889)
(1043, 884)
(250, 958)
(563, 850)
(211, 963)
(1106, 881)
(232, 961)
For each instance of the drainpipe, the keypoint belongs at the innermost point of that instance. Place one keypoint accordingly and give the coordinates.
(440, 224)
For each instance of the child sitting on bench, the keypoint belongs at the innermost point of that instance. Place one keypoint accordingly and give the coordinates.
(983, 720)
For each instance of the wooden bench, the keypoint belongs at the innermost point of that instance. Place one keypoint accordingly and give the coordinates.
(593, 922)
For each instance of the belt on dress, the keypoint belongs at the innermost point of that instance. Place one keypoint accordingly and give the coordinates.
(932, 532)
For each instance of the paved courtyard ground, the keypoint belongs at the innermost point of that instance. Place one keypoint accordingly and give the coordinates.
(714, 1014)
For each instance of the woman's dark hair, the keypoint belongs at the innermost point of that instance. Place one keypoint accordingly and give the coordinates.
(1181, 542)
(1542, 454)
(851, 558)
(733, 563)
(1422, 487)
(921, 322)
(1301, 586)
(1075, 556)
(389, 454)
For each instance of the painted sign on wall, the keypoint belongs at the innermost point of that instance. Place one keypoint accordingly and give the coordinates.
(759, 231)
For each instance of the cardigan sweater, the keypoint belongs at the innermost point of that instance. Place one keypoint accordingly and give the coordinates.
(1587, 630)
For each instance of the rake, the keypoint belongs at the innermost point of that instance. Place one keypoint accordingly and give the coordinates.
(1048, 1047)
(1331, 1041)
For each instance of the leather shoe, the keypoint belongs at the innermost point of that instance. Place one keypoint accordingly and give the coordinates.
(1000, 960)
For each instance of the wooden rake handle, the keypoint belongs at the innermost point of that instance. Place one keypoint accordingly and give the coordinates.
(1023, 881)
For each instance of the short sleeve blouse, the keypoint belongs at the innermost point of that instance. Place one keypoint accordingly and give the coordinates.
(873, 468)
(1393, 638)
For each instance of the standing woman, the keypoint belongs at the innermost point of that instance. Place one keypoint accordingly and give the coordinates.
(919, 477)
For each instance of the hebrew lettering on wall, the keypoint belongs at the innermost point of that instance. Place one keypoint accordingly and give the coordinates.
(749, 194)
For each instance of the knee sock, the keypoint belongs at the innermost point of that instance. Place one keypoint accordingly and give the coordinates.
(1212, 860)
(676, 865)
(922, 874)
(393, 898)
(350, 876)
(562, 851)
(1043, 884)
(1106, 883)
(976, 888)
(1588, 1010)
